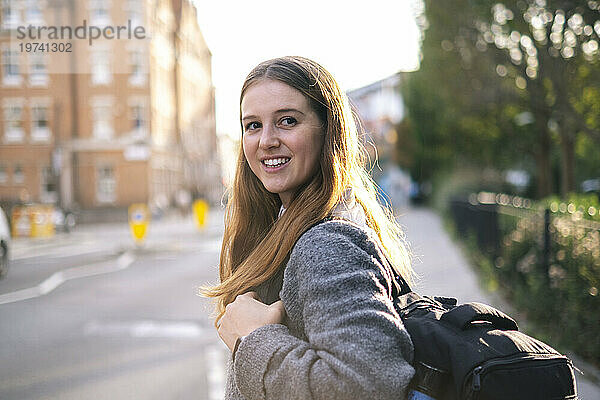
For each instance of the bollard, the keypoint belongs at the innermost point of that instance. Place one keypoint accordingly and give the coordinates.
(139, 219)
(200, 213)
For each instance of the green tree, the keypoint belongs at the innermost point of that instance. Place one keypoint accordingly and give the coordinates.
(504, 79)
(459, 111)
(547, 45)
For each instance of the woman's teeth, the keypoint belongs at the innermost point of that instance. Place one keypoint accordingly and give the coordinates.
(275, 162)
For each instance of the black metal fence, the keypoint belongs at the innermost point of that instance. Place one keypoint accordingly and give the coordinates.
(480, 214)
(471, 217)
(546, 258)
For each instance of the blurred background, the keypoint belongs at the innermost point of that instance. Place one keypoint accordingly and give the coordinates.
(119, 134)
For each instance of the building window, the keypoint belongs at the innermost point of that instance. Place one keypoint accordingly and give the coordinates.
(106, 185)
(101, 74)
(99, 12)
(10, 60)
(134, 12)
(33, 12)
(18, 175)
(10, 67)
(48, 193)
(138, 119)
(102, 121)
(137, 115)
(13, 124)
(3, 174)
(40, 131)
(38, 72)
(10, 14)
(138, 75)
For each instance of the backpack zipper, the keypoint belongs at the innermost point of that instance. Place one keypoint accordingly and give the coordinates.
(476, 386)
(479, 371)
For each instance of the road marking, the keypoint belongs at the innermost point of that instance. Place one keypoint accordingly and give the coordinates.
(145, 329)
(60, 277)
(22, 250)
(215, 371)
(211, 245)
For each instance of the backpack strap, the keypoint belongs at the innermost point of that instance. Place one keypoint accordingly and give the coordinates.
(465, 314)
(400, 287)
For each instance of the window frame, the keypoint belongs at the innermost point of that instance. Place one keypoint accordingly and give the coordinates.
(11, 66)
(40, 133)
(13, 133)
(103, 182)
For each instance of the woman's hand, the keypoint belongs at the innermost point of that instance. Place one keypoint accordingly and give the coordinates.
(246, 314)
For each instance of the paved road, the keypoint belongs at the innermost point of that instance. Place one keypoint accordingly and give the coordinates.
(114, 322)
(100, 319)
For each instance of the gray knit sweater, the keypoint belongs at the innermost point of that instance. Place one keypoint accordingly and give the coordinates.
(342, 338)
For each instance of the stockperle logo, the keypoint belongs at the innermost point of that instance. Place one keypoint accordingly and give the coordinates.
(90, 33)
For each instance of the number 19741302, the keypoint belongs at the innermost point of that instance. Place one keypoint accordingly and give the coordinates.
(36, 47)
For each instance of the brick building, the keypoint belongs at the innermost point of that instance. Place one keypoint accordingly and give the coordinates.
(116, 120)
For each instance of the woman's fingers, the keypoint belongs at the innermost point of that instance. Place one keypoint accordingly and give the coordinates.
(246, 296)
(278, 311)
(252, 294)
(245, 314)
(278, 305)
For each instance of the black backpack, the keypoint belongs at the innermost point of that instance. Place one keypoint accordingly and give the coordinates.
(482, 351)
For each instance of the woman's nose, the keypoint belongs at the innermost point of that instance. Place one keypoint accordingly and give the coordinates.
(269, 137)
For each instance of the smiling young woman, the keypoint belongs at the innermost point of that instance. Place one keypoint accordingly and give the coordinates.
(308, 254)
(282, 138)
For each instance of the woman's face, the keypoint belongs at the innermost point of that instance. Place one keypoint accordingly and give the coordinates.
(282, 137)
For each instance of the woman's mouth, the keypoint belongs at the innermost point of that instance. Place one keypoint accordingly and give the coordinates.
(275, 163)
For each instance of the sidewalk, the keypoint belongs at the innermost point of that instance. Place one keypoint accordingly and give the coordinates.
(440, 266)
(443, 270)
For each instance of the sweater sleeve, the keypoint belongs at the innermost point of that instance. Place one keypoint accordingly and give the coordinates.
(356, 347)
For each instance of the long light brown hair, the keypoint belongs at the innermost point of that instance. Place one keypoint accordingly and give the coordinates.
(256, 244)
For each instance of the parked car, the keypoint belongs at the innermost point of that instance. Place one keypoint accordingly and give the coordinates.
(591, 186)
(4, 243)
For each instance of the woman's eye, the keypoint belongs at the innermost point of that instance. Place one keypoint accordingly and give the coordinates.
(252, 125)
(288, 121)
